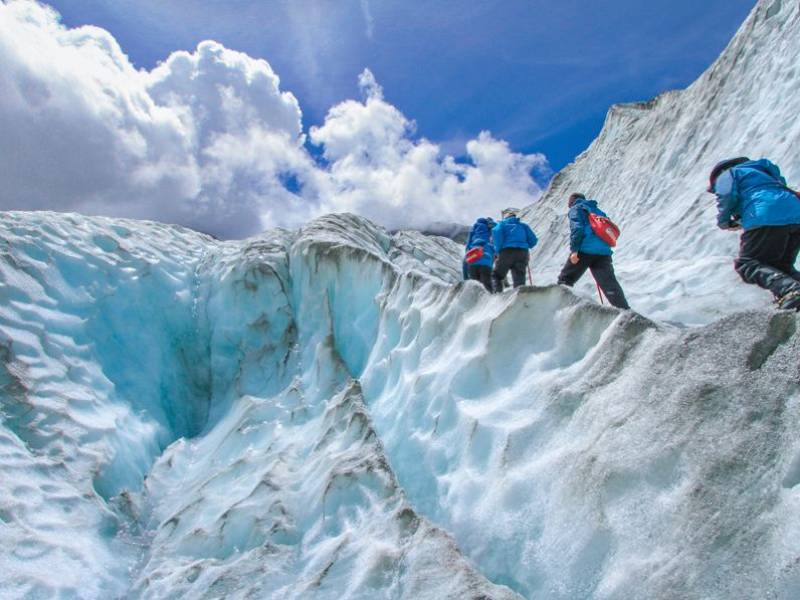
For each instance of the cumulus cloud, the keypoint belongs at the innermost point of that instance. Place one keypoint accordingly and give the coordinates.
(208, 139)
(378, 170)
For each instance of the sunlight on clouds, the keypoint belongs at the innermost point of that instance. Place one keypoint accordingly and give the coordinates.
(208, 139)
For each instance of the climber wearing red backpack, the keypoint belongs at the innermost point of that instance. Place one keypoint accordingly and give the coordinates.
(592, 234)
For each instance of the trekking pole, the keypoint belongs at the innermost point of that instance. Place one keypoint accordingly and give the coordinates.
(599, 293)
(530, 277)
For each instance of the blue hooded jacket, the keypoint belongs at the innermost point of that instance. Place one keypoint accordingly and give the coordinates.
(756, 193)
(480, 235)
(513, 233)
(581, 237)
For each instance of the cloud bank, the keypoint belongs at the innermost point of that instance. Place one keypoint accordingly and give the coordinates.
(209, 140)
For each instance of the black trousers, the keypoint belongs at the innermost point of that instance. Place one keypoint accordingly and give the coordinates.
(482, 273)
(514, 260)
(603, 272)
(767, 256)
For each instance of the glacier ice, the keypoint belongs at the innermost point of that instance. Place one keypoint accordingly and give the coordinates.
(649, 169)
(330, 413)
(181, 417)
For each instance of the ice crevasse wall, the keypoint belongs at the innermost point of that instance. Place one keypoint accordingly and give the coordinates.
(649, 168)
(327, 413)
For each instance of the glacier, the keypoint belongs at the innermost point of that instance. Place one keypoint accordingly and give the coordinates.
(331, 413)
(649, 169)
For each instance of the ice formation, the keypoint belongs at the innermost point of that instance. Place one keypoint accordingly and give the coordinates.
(649, 168)
(327, 413)
(331, 413)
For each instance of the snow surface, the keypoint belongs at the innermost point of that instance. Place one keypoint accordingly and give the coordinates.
(324, 414)
(649, 168)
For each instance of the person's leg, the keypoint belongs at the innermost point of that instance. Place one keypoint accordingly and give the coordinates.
(501, 267)
(789, 258)
(475, 272)
(482, 273)
(519, 266)
(760, 251)
(571, 273)
(602, 268)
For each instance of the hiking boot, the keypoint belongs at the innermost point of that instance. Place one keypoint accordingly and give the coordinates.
(790, 301)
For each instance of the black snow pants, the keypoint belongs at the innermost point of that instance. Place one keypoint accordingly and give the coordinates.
(482, 273)
(513, 259)
(767, 256)
(603, 271)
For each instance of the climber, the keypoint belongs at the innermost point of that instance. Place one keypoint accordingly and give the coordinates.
(513, 240)
(753, 196)
(482, 256)
(589, 251)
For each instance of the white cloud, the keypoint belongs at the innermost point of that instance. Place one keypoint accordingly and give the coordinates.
(209, 140)
(379, 171)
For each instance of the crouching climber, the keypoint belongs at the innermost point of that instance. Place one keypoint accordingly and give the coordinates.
(480, 252)
(590, 251)
(753, 196)
(513, 240)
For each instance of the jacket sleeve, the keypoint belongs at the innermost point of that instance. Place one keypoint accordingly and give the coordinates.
(577, 221)
(725, 190)
(532, 240)
(497, 238)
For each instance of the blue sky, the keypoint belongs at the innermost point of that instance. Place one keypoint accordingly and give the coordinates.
(539, 75)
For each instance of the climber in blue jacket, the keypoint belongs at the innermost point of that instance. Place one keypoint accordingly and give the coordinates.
(481, 236)
(513, 240)
(588, 251)
(752, 195)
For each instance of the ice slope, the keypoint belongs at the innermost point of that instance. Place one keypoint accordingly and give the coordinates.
(649, 167)
(324, 414)
(180, 420)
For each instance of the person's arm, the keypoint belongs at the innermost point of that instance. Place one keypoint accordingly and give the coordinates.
(724, 188)
(532, 240)
(577, 221)
(497, 236)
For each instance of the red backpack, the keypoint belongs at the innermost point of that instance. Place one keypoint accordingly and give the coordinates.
(474, 254)
(604, 228)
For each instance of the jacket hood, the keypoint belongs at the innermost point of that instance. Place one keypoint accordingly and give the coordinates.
(723, 166)
(511, 220)
(586, 203)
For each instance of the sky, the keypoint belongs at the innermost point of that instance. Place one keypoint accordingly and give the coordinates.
(405, 112)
